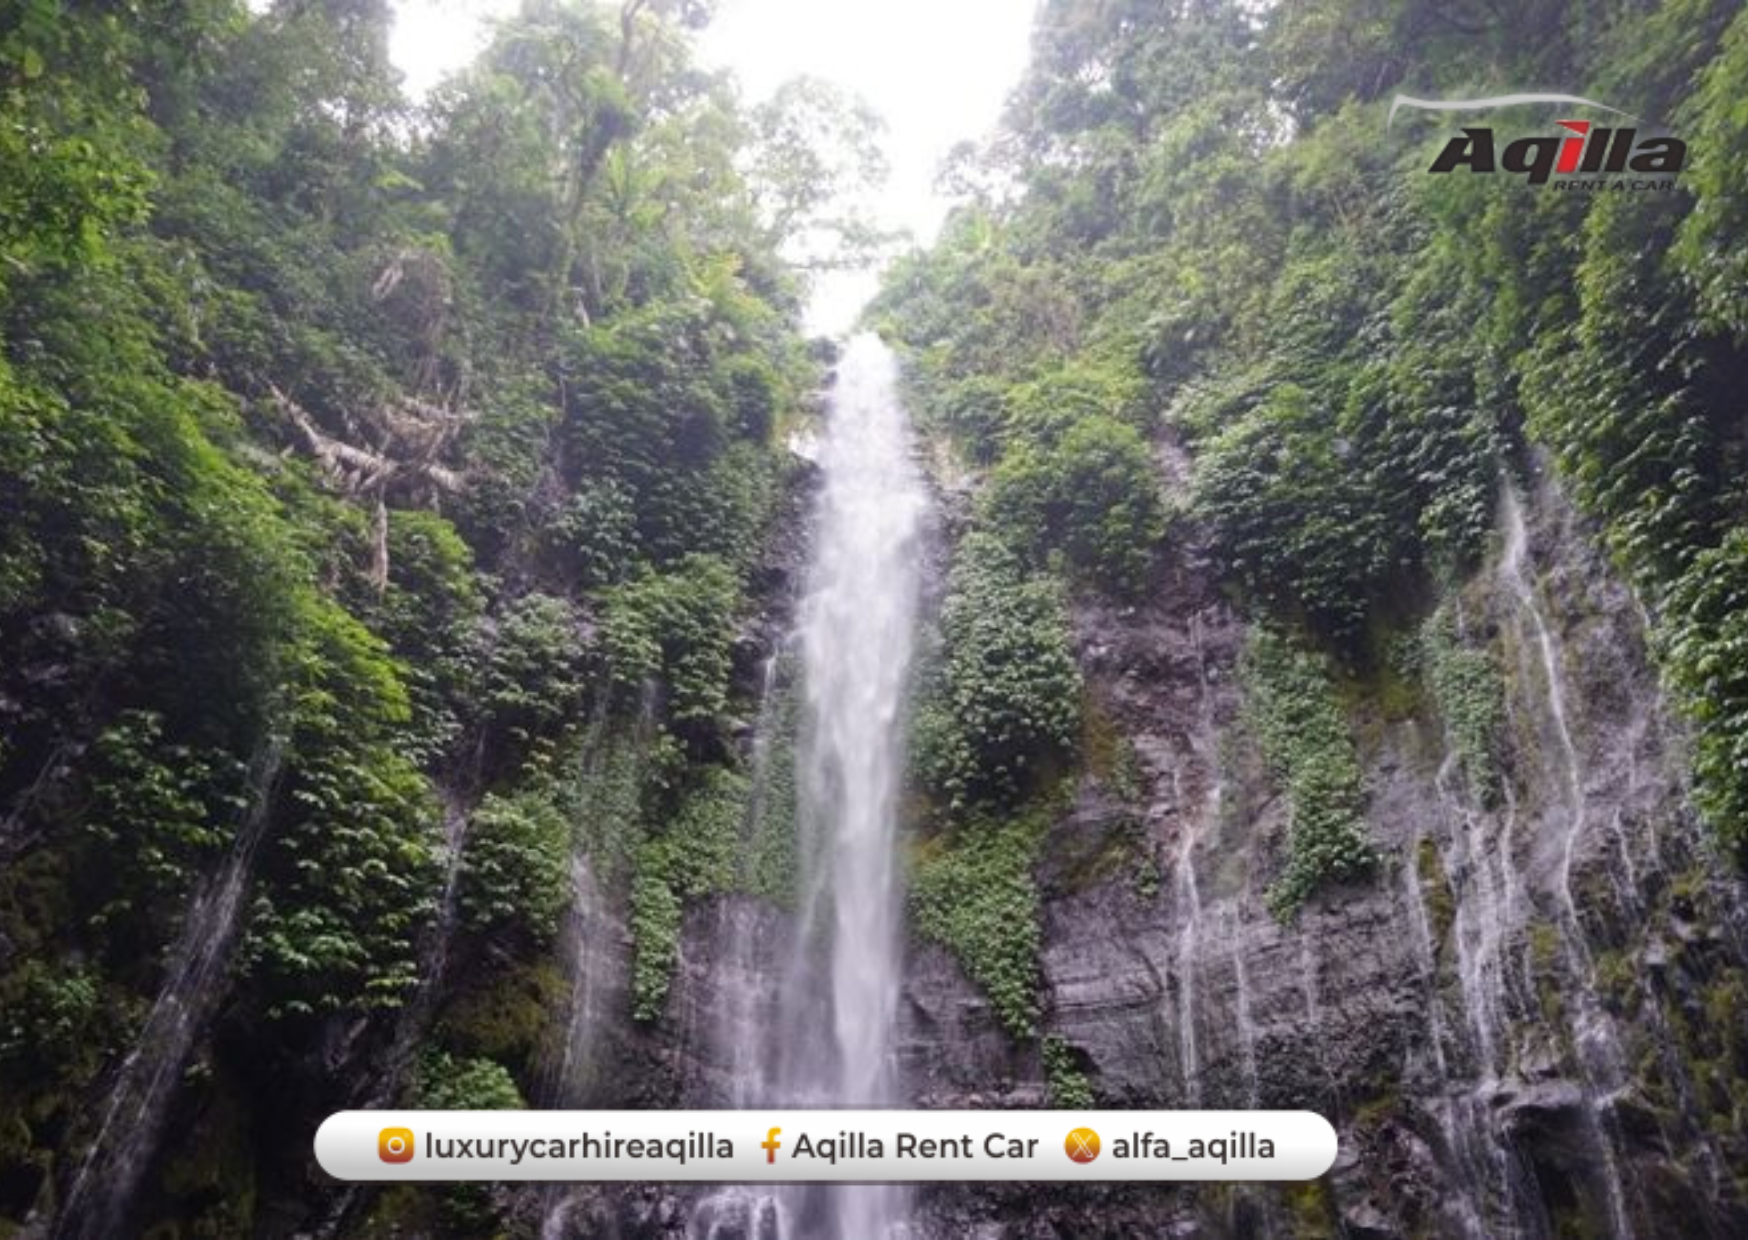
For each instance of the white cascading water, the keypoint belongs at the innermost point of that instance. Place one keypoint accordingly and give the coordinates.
(1187, 890)
(739, 1019)
(829, 1041)
(595, 971)
(194, 982)
(1478, 868)
(857, 627)
(1459, 1117)
(1601, 1062)
(1244, 1021)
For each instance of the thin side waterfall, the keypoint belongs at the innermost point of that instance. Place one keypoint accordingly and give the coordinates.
(1459, 1118)
(742, 1020)
(1482, 907)
(587, 955)
(1483, 901)
(1242, 1010)
(595, 975)
(1190, 899)
(133, 1116)
(1186, 888)
(1600, 1059)
(738, 1023)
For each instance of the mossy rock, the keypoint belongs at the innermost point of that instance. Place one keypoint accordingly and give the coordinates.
(207, 1185)
(1311, 1209)
(507, 1016)
(1617, 981)
(1435, 887)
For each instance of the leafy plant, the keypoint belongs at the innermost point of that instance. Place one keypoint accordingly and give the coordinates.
(445, 1083)
(1070, 1090)
(972, 891)
(674, 628)
(696, 853)
(351, 877)
(534, 679)
(431, 613)
(1291, 706)
(1468, 690)
(1093, 496)
(1703, 644)
(1001, 709)
(515, 867)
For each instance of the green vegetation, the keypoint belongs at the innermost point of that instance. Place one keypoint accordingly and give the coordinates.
(995, 730)
(674, 629)
(1297, 522)
(1468, 691)
(533, 681)
(1435, 891)
(694, 853)
(1193, 224)
(972, 891)
(1093, 496)
(448, 1084)
(160, 811)
(432, 605)
(769, 866)
(350, 877)
(999, 712)
(1069, 1088)
(364, 463)
(371, 468)
(515, 867)
(445, 1083)
(1292, 708)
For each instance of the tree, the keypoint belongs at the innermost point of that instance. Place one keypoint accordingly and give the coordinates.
(814, 162)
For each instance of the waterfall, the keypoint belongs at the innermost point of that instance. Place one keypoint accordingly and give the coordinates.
(831, 1042)
(857, 626)
(740, 1020)
(194, 981)
(597, 983)
(1189, 943)
(1479, 869)
(1195, 824)
(1461, 1115)
(1244, 1021)
(1600, 1061)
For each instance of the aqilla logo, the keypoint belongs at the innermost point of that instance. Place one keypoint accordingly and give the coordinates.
(1584, 150)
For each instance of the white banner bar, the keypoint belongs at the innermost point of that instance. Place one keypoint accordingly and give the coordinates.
(825, 1146)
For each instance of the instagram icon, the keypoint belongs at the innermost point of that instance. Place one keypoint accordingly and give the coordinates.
(395, 1145)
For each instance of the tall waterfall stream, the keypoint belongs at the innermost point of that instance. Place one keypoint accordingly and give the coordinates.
(831, 1043)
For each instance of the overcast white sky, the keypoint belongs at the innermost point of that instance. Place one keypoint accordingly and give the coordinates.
(938, 71)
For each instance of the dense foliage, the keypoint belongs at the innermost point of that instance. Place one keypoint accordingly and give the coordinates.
(1092, 497)
(363, 463)
(1468, 693)
(694, 852)
(1195, 226)
(515, 867)
(995, 730)
(972, 891)
(1303, 736)
(1001, 709)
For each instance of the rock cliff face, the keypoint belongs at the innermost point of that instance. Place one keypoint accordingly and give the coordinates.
(1527, 1022)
